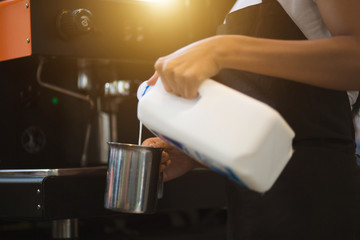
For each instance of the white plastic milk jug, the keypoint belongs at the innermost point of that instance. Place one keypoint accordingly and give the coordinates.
(228, 131)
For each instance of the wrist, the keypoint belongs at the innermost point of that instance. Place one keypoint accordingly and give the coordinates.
(223, 45)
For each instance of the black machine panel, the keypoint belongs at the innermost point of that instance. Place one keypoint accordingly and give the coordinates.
(125, 29)
(39, 127)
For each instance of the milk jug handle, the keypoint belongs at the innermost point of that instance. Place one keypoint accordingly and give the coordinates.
(203, 89)
(144, 88)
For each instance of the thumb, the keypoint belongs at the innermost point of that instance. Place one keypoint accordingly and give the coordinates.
(152, 80)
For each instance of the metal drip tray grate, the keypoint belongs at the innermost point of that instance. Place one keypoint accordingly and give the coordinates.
(28, 173)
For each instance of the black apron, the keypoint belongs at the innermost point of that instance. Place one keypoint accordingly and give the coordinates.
(316, 196)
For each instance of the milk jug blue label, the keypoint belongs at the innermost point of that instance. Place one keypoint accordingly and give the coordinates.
(202, 158)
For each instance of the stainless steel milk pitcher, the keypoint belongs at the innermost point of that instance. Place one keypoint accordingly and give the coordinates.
(134, 182)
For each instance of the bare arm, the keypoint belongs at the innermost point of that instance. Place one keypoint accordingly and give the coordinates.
(330, 63)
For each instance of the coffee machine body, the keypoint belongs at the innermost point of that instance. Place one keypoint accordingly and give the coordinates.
(71, 70)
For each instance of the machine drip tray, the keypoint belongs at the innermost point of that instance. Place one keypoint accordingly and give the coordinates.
(52, 194)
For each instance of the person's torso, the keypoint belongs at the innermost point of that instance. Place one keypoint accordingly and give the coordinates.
(317, 115)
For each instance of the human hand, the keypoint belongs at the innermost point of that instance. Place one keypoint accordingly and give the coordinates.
(174, 163)
(183, 71)
(153, 79)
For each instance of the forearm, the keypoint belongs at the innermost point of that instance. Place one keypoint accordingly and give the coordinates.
(331, 63)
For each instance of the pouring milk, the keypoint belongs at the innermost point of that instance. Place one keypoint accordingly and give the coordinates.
(230, 132)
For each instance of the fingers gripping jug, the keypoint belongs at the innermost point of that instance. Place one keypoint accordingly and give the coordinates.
(228, 131)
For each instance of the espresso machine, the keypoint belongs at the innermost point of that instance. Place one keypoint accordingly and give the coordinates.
(69, 72)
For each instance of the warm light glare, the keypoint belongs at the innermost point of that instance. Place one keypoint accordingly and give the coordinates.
(162, 2)
(154, 1)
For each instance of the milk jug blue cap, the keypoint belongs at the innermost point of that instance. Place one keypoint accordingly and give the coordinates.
(143, 89)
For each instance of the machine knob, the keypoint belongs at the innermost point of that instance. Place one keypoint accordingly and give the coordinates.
(73, 23)
(33, 139)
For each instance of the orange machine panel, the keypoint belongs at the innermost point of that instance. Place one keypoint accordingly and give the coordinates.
(15, 29)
